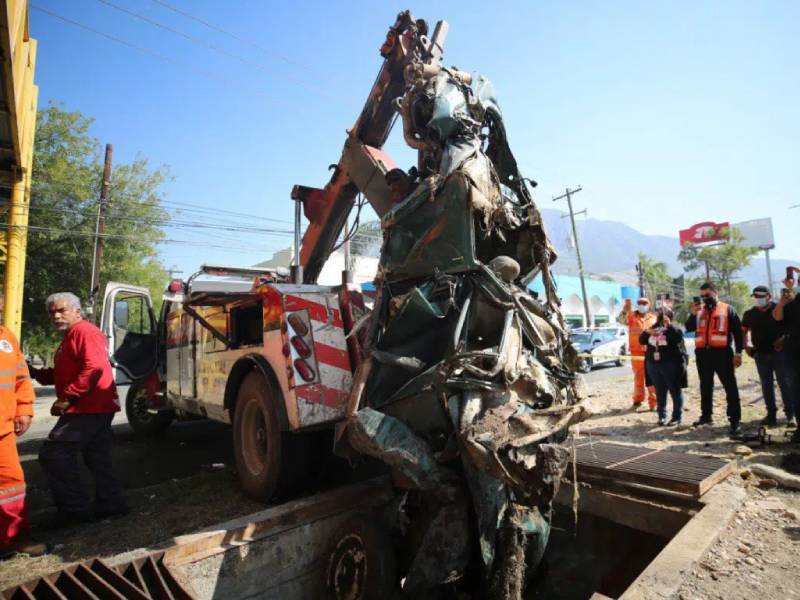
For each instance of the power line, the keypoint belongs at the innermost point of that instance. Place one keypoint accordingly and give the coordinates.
(36, 229)
(193, 207)
(216, 211)
(203, 211)
(208, 46)
(153, 53)
(168, 222)
(234, 36)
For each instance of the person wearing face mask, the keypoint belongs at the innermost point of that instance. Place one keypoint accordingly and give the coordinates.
(767, 348)
(717, 325)
(666, 361)
(86, 400)
(787, 311)
(637, 321)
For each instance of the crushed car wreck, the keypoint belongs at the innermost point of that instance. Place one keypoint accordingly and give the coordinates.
(470, 379)
(466, 383)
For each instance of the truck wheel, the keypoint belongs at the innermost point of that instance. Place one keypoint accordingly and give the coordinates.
(260, 447)
(142, 421)
(361, 562)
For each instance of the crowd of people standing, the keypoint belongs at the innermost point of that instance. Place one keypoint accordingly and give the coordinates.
(769, 332)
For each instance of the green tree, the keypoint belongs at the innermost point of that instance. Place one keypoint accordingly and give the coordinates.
(656, 278)
(368, 239)
(724, 261)
(65, 188)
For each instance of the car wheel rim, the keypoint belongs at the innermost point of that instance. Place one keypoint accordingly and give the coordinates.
(139, 407)
(348, 569)
(254, 438)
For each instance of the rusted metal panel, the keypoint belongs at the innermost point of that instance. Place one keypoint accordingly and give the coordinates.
(679, 472)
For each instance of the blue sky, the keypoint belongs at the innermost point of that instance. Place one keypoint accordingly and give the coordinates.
(666, 113)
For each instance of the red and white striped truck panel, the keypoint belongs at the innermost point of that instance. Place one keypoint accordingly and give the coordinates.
(322, 378)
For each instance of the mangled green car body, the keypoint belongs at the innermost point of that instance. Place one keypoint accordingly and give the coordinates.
(468, 382)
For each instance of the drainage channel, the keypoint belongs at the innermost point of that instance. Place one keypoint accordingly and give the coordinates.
(643, 519)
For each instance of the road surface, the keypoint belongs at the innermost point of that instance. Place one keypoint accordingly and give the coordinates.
(184, 450)
(604, 372)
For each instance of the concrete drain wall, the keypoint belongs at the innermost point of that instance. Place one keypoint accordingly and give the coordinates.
(282, 552)
(675, 532)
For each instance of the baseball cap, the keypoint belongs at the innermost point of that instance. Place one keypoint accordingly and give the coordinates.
(760, 290)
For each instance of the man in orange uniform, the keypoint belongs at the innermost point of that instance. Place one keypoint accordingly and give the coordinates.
(637, 321)
(16, 412)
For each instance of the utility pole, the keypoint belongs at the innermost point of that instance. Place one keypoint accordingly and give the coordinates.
(173, 271)
(100, 227)
(568, 195)
(347, 273)
(769, 271)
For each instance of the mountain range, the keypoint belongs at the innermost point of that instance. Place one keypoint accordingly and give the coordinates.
(611, 248)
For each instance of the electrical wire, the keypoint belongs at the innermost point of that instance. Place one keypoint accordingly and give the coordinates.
(168, 222)
(232, 35)
(112, 236)
(180, 211)
(348, 235)
(352, 233)
(208, 46)
(162, 57)
(191, 207)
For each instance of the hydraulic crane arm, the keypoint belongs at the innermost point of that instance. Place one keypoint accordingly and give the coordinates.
(363, 164)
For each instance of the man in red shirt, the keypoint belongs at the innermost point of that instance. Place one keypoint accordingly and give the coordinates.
(86, 400)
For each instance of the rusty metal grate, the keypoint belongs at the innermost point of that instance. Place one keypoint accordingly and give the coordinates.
(690, 474)
(140, 579)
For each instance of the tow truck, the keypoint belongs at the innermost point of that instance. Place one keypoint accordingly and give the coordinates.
(240, 346)
(265, 350)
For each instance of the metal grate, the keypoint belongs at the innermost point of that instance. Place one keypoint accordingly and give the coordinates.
(140, 579)
(690, 474)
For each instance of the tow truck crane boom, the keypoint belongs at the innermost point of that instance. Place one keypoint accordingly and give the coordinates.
(363, 164)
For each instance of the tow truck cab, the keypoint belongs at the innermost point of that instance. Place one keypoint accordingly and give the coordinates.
(243, 347)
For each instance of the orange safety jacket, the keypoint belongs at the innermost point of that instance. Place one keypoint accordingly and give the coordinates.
(637, 323)
(715, 335)
(16, 389)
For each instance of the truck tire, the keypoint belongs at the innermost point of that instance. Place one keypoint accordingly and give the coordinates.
(361, 562)
(142, 421)
(262, 451)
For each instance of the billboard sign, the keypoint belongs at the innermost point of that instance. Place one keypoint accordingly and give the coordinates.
(702, 233)
(757, 233)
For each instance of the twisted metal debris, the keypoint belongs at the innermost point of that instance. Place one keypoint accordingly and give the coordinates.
(468, 383)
